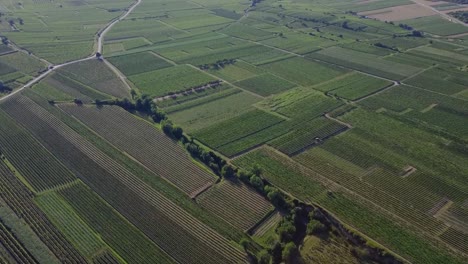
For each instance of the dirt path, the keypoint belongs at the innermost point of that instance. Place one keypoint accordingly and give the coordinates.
(100, 36)
(224, 81)
(440, 13)
(121, 76)
(327, 115)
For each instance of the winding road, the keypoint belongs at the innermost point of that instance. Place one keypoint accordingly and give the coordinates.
(99, 41)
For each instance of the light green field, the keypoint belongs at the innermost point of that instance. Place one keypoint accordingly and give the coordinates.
(265, 84)
(212, 112)
(302, 71)
(172, 79)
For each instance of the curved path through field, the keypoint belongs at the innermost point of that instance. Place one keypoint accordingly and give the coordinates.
(99, 41)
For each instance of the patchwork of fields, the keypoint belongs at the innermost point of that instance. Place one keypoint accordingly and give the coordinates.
(225, 131)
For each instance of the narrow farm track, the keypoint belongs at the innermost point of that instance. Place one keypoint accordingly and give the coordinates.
(99, 43)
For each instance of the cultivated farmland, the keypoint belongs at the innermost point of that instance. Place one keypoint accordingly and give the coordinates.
(236, 203)
(140, 141)
(202, 131)
(170, 80)
(110, 178)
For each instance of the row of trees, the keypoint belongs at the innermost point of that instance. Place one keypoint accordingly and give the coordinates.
(4, 88)
(217, 65)
(299, 219)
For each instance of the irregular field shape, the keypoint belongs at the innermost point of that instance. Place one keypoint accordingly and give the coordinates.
(120, 188)
(236, 203)
(144, 142)
(212, 112)
(265, 84)
(366, 62)
(124, 238)
(22, 62)
(70, 224)
(228, 131)
(138, 63)
(96, 74)
(20, 200)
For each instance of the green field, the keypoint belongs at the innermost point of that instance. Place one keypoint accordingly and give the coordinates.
(204, 131)
(265, 84)
(95, 74)
(368, 63)
(302, 71)
(436, 25)
(138, 63)
(170, 80)
(210, 110)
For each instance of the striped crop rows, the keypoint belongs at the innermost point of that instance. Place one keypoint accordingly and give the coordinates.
(39, 167)
(236, 203)
(19, 199)
(174, 230)
(14, 247)
(149, 146)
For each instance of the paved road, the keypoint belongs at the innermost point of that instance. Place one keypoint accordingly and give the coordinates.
(99, 40)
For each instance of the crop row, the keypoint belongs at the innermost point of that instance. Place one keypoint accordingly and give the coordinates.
(236, 128)
(236, 203)
(138, 202)
(105, 257)
(308, 134)
(14, 246)
(386, 229)
(360, 213)
(69, 224)
(96, 74)
(145, 143)
(34, 163)
(124, 238)
(308, 106)
(19, 199)
(184, 105)
(138, 63)
(365, 62)
(383, 198)
(456, 238)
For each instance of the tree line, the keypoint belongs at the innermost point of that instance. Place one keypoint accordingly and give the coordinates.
(299, 219)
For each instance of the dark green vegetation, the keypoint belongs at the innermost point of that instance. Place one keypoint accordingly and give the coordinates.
(232, 132)
(460, 15)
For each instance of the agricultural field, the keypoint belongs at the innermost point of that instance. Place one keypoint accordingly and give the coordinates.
(203, 112)
(16, 69)
(436, 25)
(354, 86)
(94, 73)
(230, 198)
(170, 80)
(138, 63)
(139, 141)
(265, 84)
(58, 32)
(205, 131)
